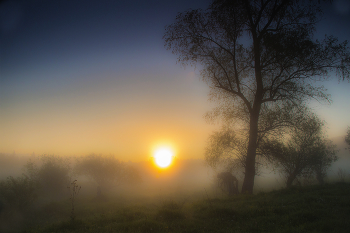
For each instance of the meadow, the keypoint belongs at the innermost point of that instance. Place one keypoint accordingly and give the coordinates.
(314, 208)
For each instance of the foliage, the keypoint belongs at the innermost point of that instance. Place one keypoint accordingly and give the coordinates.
(52, 175)
(104, 170)
(326, 156)
(228, 146)
(347, 137)
(305, 153)
(258, 56)
(225, 147)
(18, 193)
(31, 170)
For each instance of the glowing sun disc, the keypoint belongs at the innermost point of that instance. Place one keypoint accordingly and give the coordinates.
(163, 157)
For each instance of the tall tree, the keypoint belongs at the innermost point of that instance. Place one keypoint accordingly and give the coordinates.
(258, 56)
(228, 147)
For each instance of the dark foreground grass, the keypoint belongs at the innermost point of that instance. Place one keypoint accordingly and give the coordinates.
(299, 209)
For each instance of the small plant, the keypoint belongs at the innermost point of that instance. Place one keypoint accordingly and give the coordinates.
(74, 190)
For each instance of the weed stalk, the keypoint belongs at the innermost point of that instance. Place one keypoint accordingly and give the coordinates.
(74, 190)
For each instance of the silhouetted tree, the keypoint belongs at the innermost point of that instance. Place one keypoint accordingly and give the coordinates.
(347, 137)
(305, 153)
(51, 173)
(104, 170)
(326, 156)
(225, 148)
(228, 146)
(256, 56)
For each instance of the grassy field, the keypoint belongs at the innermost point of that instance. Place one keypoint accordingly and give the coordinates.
(299, 209)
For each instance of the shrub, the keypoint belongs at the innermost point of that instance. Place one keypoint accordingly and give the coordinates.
(52, 176)
(18, 192)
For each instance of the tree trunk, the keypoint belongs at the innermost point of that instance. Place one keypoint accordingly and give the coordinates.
(249, 175)
(248, 182)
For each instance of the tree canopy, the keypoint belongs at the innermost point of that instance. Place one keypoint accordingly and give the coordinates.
(103, 170)
(304, 154)
(106, 171)
(53, 174)
(258, 58)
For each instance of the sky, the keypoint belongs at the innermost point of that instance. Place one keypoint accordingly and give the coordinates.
(80, 77)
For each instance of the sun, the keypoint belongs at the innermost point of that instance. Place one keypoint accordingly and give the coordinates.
(163, 157)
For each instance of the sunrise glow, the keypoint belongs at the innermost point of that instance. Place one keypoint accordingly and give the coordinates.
(163, 157)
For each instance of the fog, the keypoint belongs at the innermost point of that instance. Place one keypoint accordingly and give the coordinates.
(183, 176)
(34, 184)
(185, 181)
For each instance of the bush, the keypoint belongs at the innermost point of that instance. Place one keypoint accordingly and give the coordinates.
(52, 176)
(18, 193)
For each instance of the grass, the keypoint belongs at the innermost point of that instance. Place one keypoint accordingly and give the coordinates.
(299, 209)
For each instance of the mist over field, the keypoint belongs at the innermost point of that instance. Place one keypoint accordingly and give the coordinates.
(184, 176)
(183, 183)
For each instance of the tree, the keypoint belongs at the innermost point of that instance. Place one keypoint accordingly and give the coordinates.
(305, 153)
(52, 176)
(258, 56)
(104, 170)
(228, 146)
(326, 151)
(225, 148)
(347, 137)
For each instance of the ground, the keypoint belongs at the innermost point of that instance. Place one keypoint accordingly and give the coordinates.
(298, 209)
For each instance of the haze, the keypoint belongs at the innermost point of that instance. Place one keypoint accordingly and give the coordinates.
(78, 77)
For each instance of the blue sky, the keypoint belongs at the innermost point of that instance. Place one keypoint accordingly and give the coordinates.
(78, 77)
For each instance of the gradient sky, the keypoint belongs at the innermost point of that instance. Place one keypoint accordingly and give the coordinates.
(80, 77)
